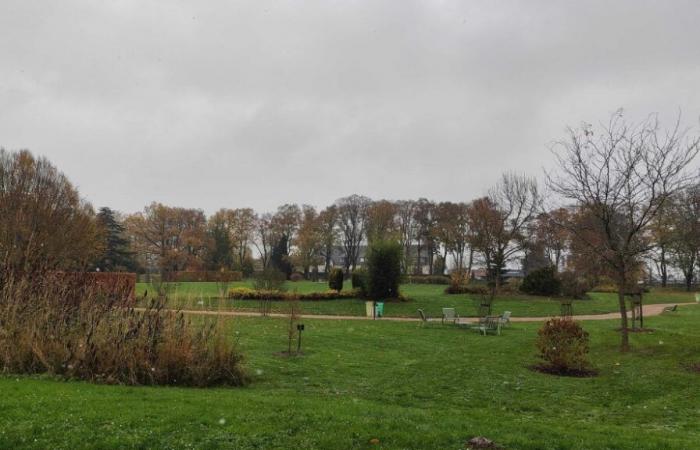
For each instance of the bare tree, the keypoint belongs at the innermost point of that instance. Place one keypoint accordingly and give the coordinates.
(241, 223)
(553, 237)
(308, 241)
(424, 217)
(381, 221)
(405, 216)
(352, 220)
(452, 229)
(500, 221)
(685, 244)
(328, 219)
(622, 178)
(264, 238)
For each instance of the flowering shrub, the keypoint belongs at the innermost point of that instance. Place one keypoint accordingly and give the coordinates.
(563, 347)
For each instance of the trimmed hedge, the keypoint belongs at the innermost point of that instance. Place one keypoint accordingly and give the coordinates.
(252, 294)
(119, 285)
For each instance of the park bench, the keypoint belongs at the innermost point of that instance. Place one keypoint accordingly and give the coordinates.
(449, 315)
(489, 324)
(423, 318)
(505, 318)
(670, 309)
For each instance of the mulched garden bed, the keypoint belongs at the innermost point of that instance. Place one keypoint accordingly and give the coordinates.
(586, 373)
(637, 330)
(694, 367)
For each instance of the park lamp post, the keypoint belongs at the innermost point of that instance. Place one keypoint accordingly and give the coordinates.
(300, 328)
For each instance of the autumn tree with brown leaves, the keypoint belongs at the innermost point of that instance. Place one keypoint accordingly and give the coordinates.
(44, 224)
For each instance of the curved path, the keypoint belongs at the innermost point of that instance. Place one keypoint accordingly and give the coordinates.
(649, 310)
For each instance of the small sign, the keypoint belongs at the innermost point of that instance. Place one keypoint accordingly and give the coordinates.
(300, 327)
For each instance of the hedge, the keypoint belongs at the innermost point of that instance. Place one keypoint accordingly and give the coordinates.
(252, 294)
(205, 275)
(478, 289)
(428, 279)
(118, 285)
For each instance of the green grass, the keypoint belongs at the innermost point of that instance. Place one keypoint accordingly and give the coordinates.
(430, 298)
(407, 386)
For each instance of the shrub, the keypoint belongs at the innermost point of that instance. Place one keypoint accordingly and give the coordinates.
(51, 325)
(542, 281)
(573, 286)
(428, 279)
(204, 275)
(296, 277)
(335, 279)
(269, 280)
(384, 270)
(478, 289)
(563, 347)
(359, 282)
(246, 267)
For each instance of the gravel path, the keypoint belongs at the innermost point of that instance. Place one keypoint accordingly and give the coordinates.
(649, 310)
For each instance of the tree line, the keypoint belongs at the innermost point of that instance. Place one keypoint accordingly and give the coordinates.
(623, 194)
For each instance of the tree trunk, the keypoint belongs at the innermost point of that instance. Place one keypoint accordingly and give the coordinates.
(625, 343)
(471, 261)
(431, 255)
(419, 250)
(662, 268)
(444, 261)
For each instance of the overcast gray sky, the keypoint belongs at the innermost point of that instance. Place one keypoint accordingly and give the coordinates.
(232, 104)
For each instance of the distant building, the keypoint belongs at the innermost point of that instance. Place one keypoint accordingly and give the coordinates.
(507, 274)
(338, 258)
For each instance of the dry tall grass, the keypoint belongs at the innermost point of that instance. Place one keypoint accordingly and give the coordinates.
(49, 325)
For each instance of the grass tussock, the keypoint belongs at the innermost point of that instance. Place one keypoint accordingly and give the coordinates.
(65, 328)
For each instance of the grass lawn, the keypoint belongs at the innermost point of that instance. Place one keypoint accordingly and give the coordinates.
(430, 298)
(407, 386)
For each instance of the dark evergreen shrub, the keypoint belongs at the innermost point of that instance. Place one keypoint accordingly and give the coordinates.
(335, 279)
(359, 281)
(541, 282)
(384, 270)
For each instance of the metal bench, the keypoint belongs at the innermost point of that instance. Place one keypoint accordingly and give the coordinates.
(449, 315)
(489, 324)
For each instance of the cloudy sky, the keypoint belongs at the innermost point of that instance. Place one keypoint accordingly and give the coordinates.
(231, 104)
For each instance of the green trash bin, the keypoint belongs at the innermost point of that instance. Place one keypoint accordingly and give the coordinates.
(379, 309)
